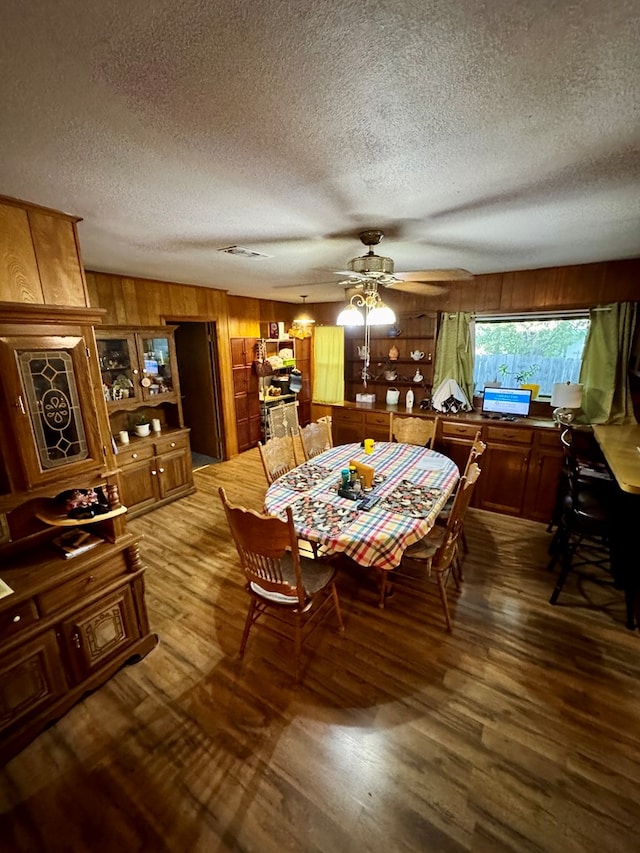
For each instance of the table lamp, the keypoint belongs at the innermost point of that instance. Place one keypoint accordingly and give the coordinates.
(566, 397)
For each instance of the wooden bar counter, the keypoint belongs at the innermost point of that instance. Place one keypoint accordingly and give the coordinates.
(620, 445)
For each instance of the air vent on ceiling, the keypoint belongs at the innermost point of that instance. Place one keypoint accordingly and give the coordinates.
(245, 253)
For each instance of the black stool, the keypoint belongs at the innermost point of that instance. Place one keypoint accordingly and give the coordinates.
(587, 528)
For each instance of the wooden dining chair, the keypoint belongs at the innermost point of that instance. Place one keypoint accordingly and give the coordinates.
(327, 419)
(478, 447)
(419, 431)
(278, 456)
(291, 589)
(315, 438)
(438, 550)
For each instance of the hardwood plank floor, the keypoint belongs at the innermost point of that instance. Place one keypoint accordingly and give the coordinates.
(519, 731)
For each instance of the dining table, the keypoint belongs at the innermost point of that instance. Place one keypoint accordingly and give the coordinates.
(412, 485)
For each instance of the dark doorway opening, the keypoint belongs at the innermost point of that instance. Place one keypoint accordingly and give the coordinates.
(197, 358)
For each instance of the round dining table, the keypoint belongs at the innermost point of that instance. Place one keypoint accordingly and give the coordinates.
(412, 483)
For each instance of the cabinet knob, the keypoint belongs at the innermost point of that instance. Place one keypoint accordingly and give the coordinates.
(91, 579)
(134, 455)
(17, 618)
(154, 473)
(173, 444)
(162, 470)
(135, 371)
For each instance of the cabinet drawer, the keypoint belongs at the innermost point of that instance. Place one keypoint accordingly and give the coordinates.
(17, 618)
(549, 438)
(514, 435)
(81, 586)
(452, 429)
(135, 454)
(348, 416)
(377, 419)
(174, 442)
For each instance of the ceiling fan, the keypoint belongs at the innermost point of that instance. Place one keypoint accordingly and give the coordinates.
(372, 268)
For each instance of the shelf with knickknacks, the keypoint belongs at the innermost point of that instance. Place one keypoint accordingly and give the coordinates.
(392, 361)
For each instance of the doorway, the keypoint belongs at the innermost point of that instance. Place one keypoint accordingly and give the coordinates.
(197, 357)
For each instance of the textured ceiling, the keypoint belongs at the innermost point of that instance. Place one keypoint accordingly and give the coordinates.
(490, 136)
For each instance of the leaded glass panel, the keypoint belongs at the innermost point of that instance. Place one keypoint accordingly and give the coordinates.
(54, 407)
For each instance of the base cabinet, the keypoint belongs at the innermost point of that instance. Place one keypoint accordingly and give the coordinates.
(31, 678)
(154, 471)
(98, 633)
(68, 626)
(545, 467)
(351, 425)
(502, 487)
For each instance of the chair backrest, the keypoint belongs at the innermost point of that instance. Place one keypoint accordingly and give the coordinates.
(420, 431)
(278, 457)
(315, 438)
(477, 449)
(326, 419)
(445, 553)
(268, 549)
(283, 420)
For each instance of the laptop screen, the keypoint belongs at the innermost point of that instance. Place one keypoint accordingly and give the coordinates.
(507, 401)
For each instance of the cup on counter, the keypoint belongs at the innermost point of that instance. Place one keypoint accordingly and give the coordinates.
(368, 446)
(155, 424)
(123, 435)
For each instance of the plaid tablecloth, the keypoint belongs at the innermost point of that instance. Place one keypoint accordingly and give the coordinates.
(416, 485)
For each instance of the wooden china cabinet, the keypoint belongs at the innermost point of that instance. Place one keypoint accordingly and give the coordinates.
(66, 623)
(139, 377)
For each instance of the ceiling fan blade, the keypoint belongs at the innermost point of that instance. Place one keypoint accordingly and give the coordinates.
(435, 275)
(420, 288)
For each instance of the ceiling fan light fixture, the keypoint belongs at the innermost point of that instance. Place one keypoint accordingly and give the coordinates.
(371, 265)
(350, 316)
(381, 315)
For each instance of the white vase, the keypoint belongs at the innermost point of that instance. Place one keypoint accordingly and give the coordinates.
(143, 429)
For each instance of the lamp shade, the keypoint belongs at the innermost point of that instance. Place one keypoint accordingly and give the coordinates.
(381, 315)
(350, 316)
(567, 395)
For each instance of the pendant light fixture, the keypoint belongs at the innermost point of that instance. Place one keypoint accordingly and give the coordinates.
(301, 327)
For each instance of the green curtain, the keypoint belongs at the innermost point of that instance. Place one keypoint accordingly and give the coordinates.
(606, 398)
(328, 364)
(455, 352)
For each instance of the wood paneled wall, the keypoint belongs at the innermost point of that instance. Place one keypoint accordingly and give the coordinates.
(580, 286)
(130, 301)
(142, 302)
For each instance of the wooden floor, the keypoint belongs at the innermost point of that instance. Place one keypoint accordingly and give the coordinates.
(519, 731)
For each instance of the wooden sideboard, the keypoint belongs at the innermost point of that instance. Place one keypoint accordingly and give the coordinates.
(521, 466)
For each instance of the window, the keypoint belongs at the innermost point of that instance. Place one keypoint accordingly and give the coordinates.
(529, 349)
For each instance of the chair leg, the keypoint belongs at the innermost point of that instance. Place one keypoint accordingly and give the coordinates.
(298, 646)
(248, 622)
(443, 598)
(336, 604)
(566, 550)
(465, 547)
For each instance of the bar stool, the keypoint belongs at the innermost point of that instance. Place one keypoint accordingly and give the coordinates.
(586, 523)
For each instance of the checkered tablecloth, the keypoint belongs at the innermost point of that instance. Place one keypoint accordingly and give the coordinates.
(380, 536)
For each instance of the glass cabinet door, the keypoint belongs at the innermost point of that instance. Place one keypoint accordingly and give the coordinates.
(156, 359)
(51, 407)
(119, 367)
